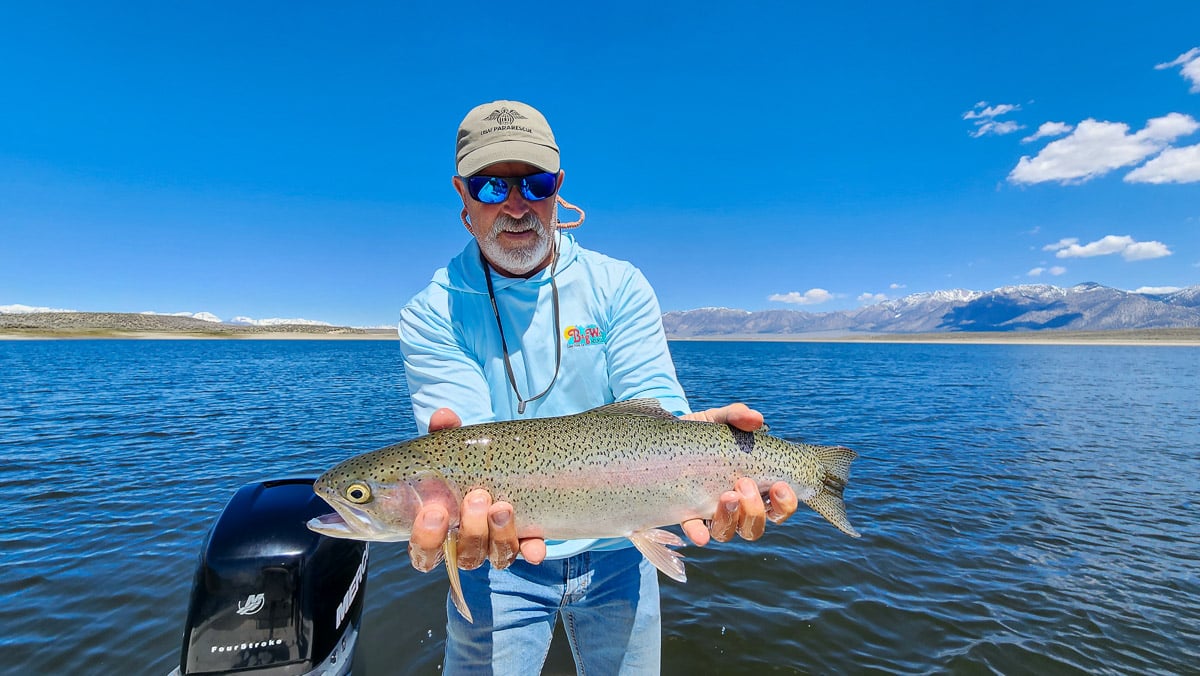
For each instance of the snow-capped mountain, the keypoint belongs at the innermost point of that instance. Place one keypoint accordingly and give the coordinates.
(1031, 307)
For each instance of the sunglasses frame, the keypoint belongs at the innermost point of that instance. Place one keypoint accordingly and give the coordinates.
(521, 183)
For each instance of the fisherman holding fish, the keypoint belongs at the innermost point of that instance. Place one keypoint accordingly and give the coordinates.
(526, 323)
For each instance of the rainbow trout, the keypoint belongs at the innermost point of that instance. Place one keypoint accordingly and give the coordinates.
(621, 470)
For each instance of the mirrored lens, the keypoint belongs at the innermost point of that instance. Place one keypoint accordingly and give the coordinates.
(538, 186)
(488, 189)
(494, 189)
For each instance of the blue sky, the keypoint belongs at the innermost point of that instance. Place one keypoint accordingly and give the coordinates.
(293, 160)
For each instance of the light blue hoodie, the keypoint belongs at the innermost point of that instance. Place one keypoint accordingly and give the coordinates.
(613, 345)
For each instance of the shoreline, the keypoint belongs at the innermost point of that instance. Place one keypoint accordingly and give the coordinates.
(1140, 337)
(1188, 337)
(188, 335)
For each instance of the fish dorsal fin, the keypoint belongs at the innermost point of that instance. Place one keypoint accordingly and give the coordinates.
(647, 406)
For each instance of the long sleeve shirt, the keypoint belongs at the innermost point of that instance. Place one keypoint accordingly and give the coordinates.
(611, 338)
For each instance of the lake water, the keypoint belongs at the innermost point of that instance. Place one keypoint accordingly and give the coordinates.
(1024, 509)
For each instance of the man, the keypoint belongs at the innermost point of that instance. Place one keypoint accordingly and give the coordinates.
(526, 323)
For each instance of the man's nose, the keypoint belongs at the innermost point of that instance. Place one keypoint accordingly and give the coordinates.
(516, 205)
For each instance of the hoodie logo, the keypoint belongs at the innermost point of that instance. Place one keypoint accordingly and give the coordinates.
(579, 336)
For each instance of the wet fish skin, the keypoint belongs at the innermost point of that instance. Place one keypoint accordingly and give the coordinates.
(621, 470)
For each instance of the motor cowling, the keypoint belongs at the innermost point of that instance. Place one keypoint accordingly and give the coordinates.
(271, 597)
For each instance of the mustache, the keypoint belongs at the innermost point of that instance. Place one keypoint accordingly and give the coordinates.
(529, 221)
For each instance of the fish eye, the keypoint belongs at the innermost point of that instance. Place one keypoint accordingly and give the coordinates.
(358, 493)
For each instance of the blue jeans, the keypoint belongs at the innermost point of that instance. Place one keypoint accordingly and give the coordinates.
(609, 606)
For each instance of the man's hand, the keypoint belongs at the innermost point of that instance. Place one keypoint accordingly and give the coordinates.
(741, 510)
(486, 530)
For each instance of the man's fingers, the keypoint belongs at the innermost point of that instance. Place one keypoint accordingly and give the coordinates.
(743, 417)
(739, 415)
(752, 520)
(696, 531)
(442, 419)
(534, 550)
(783, 502)
(504, 547)
(725, 520)
(429, 532)
(473, 530)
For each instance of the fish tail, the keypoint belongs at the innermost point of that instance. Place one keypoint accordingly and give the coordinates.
(835, 461)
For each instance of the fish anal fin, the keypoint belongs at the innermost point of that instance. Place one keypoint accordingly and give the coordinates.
(450, 547)
(653, 544)
(646, 406)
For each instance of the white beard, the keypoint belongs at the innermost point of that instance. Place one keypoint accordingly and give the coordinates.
(521, 260)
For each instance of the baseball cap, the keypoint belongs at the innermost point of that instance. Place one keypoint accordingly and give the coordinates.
(505, 131)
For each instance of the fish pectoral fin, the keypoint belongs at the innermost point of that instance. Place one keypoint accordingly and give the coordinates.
(653, 545)
(450, 548)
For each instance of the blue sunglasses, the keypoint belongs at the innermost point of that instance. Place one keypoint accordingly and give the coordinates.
(495, 189)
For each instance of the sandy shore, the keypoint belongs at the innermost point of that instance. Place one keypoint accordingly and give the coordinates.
(75, 325)
(184, 335)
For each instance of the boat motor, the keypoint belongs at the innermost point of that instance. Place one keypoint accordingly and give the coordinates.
(271, 597)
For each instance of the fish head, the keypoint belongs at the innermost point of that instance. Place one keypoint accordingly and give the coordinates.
(366, 510)
(370, 504)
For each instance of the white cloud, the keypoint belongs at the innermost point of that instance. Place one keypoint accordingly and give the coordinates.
(1048, 129)
(1054, 270)
(982, 110)
(1061, 244)
(205, 316)
(996, 128)
(893, 286)
(1144, 251)
(1156, 289)
(1096, 148)
(810, 297)
(1173, 165)
(871, 298)
(1125, 245)
(277, 322)
(985, 121)
(1190, 60)
(28, 309)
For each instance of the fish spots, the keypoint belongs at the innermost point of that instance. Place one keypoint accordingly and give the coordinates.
(561, 474)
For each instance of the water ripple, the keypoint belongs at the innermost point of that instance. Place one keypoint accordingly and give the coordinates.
(1024, 509)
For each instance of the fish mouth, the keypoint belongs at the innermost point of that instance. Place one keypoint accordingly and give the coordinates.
(331, 524)
(350, 522)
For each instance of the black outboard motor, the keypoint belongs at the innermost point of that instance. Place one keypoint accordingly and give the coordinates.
(271, 597)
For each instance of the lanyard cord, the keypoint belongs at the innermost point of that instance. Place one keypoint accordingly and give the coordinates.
(512, 380)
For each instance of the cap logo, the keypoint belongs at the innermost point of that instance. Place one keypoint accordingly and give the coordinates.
(505, 116)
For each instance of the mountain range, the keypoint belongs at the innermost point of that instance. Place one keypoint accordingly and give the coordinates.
(1030, 307)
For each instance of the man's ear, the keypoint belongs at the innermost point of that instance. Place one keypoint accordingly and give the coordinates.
(460, 186)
